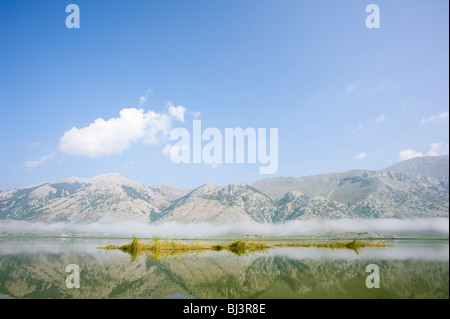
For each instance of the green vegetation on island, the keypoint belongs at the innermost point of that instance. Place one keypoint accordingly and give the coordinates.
(159, 246)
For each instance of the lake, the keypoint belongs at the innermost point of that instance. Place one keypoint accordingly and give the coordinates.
(36, 268)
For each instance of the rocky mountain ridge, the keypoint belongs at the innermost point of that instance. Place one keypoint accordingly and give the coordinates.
(415, 188)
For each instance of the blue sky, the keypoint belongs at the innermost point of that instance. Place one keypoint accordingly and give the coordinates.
(341, 95)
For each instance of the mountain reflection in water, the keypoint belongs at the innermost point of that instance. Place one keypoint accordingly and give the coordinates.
(35, 268)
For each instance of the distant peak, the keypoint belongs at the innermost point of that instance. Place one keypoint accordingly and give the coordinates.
(430, 166)
(209, 185)
(110, 178)
(70, 180)
(208, 188)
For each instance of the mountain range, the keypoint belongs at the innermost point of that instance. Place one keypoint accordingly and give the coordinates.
(418, 187)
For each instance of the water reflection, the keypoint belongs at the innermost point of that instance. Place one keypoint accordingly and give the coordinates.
(35, 268)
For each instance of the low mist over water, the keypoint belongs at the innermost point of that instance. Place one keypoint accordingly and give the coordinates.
(110, 227)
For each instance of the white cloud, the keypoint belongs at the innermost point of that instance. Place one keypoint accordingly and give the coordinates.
(436, 149)
(157, 126)
(360, 156)
(177, 112)
(408, 154)
(380, 118)
(106, 137)
(435, 118)
(42, 160)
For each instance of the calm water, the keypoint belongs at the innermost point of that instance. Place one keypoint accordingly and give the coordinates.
(35, 268)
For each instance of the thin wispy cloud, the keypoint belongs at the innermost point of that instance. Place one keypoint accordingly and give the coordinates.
(40, 161)
(34, 145)
(359, 128)
(32, 164)
(360, 156)
(195, 114)
(380, 118)
(144, 98)
(351, 88)
(435, 118)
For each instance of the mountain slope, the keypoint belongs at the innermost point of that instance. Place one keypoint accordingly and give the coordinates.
(435, 167)
(415, 188)
(296, 205)
(211, 202)
(76, 199)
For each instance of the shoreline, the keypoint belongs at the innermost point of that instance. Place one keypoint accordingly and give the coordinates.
(221, 238)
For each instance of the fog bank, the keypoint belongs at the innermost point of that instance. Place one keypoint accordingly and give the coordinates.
(127, 228)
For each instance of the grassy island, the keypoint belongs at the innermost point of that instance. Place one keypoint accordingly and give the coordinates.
(240, 246)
